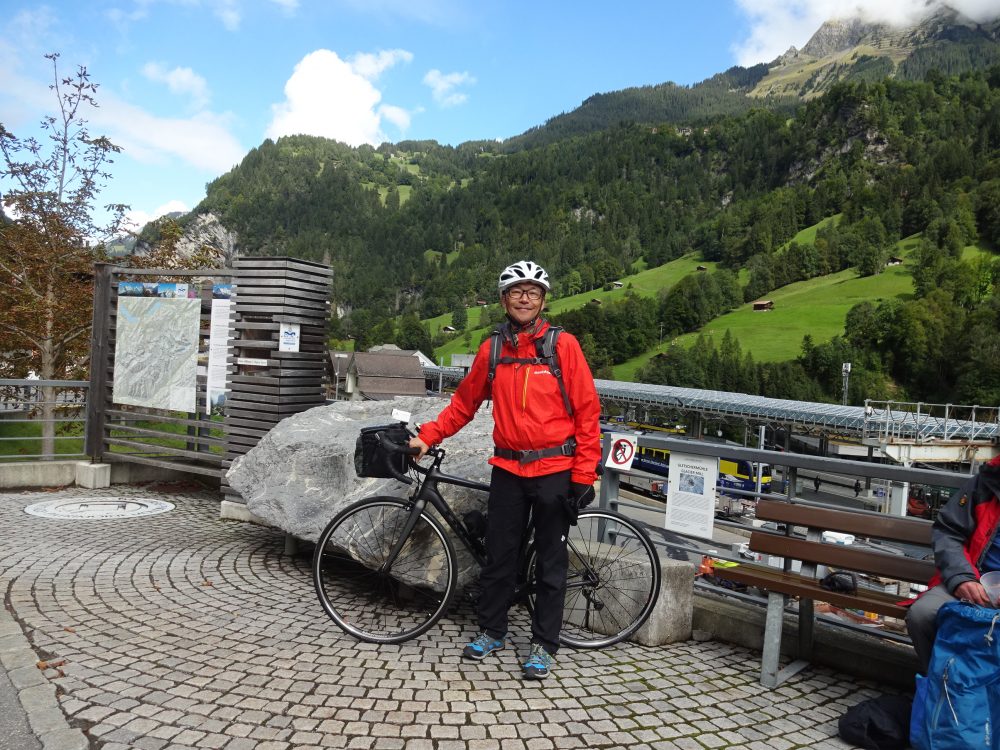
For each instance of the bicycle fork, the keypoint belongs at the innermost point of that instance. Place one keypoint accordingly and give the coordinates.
(411, 522)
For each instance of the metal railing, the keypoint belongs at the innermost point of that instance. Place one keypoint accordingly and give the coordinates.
(29, 406)
(888, 421)
(837, 474)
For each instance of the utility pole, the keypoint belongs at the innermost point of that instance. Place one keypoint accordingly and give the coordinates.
(760, 463)
(846, 370)
(660, 342)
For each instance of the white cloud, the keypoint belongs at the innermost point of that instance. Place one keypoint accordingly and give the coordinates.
(396, 115)
(333, 98)
(32, 24)
(228, 11)
(443, 86)
(776, 25)
(203, 141)
(371, 66)
(137, 219)
(289, 6)
(182, 81)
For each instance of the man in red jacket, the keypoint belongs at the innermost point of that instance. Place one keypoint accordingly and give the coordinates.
(544, 461)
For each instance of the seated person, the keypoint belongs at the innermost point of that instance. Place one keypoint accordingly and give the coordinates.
(965, 545)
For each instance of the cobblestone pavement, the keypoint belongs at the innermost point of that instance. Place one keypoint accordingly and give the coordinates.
(186, 631)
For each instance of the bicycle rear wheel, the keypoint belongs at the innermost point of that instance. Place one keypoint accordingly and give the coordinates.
(612, 582)
(368, 601)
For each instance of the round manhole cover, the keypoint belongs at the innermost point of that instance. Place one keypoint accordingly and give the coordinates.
(91, 508)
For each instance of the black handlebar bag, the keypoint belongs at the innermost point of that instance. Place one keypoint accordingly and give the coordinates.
(372, 460)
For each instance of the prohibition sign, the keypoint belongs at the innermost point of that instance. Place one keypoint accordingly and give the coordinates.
(622, 451)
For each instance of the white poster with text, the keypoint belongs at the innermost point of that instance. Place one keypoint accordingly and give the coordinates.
(691, 494)
(218, 348)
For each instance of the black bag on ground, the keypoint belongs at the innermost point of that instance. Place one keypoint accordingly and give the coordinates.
(881, 723)
(372, 460)
(840, 581)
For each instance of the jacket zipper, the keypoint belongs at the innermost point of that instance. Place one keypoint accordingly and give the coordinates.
(524, 390)
(989, 542)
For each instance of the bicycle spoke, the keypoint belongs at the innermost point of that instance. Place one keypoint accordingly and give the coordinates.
(370, 599)
(612, 582)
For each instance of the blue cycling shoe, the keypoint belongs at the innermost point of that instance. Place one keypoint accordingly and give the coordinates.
(536, 666)
(482, 646)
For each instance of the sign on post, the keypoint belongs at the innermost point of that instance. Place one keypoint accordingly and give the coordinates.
(622, 453)
(691, 494)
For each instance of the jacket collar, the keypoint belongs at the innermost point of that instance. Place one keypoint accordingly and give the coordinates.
(509, 331)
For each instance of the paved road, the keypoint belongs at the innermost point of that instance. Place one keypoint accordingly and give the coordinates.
(183, 631)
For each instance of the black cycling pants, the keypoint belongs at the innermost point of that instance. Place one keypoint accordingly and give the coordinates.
(511, 497)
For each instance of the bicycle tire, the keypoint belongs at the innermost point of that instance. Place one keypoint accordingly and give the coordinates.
(373, 605)
(612, 592)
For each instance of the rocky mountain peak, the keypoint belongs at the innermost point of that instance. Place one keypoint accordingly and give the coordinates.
(839, 35)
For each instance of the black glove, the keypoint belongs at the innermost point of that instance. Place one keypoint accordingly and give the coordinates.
(582, 493)
(580, 496)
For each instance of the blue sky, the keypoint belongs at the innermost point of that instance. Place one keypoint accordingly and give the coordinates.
(187, 87)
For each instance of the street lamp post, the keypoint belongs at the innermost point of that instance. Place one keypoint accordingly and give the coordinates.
(846, 371)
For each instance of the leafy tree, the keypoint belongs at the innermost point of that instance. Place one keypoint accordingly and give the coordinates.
(385, 333)
(48, 251)
(459, 317)
(988, 211)
(573, 283)
(413, 335)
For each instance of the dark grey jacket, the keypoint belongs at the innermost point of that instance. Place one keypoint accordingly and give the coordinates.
(964, 528)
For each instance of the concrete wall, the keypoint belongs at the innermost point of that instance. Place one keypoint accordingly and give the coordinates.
(29, 474)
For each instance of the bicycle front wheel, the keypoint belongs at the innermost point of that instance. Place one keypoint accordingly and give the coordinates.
(370, 598)
(612, 582)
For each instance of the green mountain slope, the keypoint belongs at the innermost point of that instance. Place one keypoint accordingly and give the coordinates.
(648, 283)
(419, 231)
(723, 94)
(817, 308)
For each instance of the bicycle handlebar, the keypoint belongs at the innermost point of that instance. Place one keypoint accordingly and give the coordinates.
(390, 447)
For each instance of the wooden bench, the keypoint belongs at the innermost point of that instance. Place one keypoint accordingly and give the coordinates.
(812, 552)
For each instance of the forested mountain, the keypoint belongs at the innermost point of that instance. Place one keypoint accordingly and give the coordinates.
(416, 229)
(726, 93)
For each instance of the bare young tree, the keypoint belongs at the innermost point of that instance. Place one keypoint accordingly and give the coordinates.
(50, 242)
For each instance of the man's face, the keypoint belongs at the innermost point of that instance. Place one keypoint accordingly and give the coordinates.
(523, 302)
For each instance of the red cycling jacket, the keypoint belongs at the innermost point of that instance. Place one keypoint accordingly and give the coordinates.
(528, 408)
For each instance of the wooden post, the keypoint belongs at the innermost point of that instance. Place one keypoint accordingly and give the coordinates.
(99, 359)
(267, 381)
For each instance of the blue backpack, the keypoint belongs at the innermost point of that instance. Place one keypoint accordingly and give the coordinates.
(957, 705)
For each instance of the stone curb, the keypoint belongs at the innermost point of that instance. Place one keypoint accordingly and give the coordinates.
(36, 694)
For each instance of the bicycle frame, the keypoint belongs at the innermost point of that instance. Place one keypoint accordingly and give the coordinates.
(427, 492)
(371, 607)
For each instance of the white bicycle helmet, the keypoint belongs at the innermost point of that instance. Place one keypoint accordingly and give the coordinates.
(524, 270)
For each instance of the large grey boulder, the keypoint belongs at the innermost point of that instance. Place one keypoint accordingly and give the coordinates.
(301, 473)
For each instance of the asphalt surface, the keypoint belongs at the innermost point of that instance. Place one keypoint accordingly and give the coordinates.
(182, 631)
(15, 734)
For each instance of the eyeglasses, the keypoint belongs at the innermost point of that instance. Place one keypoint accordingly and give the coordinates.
(533, 294)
